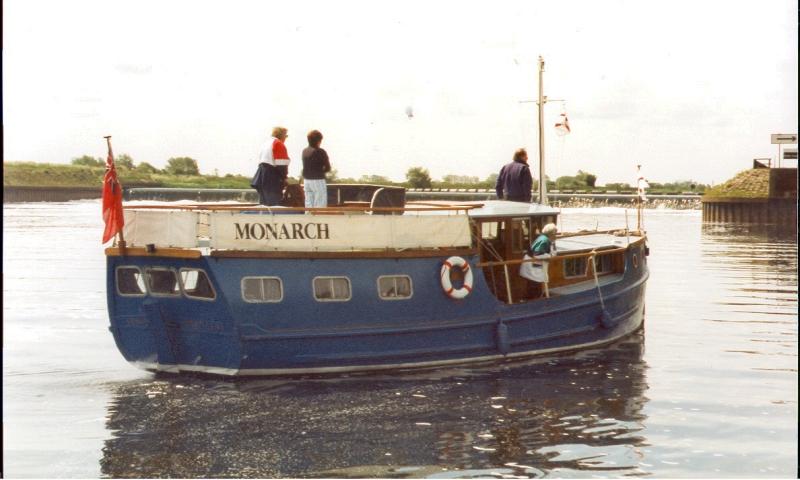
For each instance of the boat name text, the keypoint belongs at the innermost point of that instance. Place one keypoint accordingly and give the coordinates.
(281, 231)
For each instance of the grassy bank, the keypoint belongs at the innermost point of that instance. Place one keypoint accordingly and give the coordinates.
(753, 183)
(58, 175)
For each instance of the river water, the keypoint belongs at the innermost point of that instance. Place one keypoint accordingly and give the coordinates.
(707, 389)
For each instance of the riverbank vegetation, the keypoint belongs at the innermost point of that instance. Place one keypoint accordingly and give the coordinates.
(753, 183)
(183, 172)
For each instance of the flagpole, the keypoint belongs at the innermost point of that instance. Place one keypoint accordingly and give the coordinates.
(121, 240)
(639, 212)
(542, 182)
(641, 184)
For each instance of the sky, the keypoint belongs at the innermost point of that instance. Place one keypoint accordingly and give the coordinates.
(689, 89)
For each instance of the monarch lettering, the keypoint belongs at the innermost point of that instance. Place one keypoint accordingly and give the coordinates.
(281, 231)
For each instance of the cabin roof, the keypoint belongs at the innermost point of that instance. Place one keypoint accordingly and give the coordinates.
(504, 208)
(496, 208)
(586, 243)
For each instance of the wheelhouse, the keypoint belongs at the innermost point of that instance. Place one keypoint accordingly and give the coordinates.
(503, 231)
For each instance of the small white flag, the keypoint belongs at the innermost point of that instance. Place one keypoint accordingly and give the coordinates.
(641, 183)
(562, 126)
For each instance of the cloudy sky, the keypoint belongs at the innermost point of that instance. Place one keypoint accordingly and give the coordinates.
(691, 89)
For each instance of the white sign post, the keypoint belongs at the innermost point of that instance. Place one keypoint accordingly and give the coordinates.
(783, 138)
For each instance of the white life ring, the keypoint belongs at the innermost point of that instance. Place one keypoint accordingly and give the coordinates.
(447, 285)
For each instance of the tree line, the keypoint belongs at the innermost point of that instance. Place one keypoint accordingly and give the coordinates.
(416, 177)
(175, 165)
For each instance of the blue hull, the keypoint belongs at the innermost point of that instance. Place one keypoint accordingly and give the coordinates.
(229, 336)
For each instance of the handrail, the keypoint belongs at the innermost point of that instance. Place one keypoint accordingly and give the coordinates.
(591, 254)
(590, 232)
(550, 259)
(261, 208)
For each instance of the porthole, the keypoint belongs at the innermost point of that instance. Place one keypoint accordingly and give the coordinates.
(262, 289)
(394, 287)
(130, 282)
(332, 289)
(162, 282)
(196, 284)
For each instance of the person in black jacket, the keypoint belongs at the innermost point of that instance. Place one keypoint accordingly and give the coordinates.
(515, 181)
(315, 165)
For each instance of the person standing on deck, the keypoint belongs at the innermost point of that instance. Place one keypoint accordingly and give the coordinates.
(315, 165)
(515, 181)
(273, 168)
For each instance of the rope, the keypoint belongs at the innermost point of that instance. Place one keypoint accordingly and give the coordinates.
(489, 247)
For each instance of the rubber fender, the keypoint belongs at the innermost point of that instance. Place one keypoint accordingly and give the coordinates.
(606, 320)
(502, 338)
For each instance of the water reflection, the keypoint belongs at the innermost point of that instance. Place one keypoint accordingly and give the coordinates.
(749, 232)
(579, 414)
(756, 267)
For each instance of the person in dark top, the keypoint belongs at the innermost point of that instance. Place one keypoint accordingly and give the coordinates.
(515, 181)
(315, 165)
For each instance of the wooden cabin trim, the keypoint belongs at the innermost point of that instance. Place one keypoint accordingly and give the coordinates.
(462, 252)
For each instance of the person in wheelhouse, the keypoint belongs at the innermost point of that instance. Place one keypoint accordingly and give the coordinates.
(542, 249)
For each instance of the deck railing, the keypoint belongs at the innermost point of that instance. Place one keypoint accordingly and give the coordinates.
(255, 207)
(505, 264)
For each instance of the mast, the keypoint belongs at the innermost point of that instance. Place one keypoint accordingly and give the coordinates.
(541, 102)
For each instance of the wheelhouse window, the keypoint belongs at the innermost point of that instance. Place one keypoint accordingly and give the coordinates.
(332, 289)
(195, 284)
(262, 289)
(130, 281)
(603, 264)
(520, 235)
(575, 267)
(489, 230)
(394, 287)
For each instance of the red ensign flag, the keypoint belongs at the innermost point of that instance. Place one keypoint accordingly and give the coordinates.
(112, 198)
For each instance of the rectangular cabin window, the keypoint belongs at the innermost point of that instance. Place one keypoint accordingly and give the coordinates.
(262, 289)
(130, 281)
(575, 267)
(603, 264)
(162, 281)
(196, 284)
(332, 289)
(489, 230)
(394, 287)
(520, 235)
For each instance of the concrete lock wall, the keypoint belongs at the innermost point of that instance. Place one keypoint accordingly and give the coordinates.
(779, 208)
(776, 211)
(49, 194)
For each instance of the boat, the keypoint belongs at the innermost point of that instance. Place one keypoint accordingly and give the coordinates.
(371, 282)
